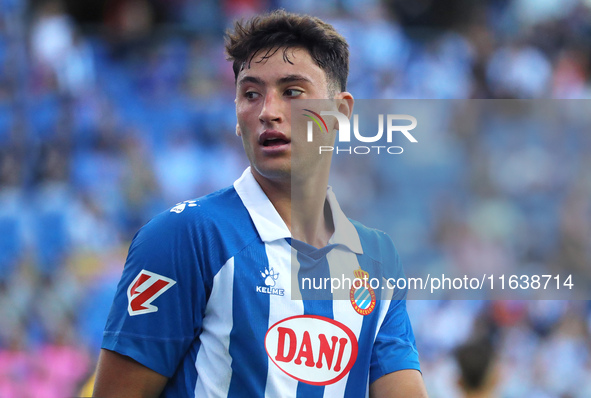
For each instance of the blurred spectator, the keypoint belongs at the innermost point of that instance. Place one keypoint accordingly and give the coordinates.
(509, 72)
(13, 220)
(478, 373)
(129, 24)
(59, 51)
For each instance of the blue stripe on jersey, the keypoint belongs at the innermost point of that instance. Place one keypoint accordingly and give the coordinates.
(229, 231)
(357, 381)
(250, 323)
(314, 264)
(186, 380)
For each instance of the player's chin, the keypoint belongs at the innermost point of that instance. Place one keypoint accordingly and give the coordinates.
(275, 169)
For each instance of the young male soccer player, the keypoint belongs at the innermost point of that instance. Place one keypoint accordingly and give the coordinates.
(204, 305)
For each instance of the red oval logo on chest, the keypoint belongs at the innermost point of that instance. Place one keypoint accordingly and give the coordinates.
(312, 349)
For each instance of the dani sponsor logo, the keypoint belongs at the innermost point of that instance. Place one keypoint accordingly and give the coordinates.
(312, 349)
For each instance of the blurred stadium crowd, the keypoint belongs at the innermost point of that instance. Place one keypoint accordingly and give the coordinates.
(113, 111)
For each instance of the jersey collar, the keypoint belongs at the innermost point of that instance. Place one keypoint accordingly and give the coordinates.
(265, 217)
(345, 232)
(271, 226)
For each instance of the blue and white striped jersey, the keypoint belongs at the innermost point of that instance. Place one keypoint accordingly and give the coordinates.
(206, 300)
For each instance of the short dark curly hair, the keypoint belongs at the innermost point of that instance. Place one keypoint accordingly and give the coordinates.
(282, 30)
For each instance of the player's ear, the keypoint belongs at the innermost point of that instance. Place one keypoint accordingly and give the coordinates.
(345, 103)
(238, 131)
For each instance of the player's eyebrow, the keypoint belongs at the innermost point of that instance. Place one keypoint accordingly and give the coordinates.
(293, 79)
(284, 80)
(251, 79)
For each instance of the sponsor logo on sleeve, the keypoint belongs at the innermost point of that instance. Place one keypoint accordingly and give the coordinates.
(144, 289)
(312, 349)
(179, 207)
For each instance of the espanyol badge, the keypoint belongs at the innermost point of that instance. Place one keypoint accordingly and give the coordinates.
(362, 296)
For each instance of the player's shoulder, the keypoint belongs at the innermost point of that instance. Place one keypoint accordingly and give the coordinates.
(375, 243)
(218, 206)
(219, 213)
(379, 247)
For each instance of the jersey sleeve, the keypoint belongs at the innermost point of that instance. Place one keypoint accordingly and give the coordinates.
(156, 312)
(394, 347)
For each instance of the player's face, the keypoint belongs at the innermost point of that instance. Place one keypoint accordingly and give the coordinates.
(264, 92)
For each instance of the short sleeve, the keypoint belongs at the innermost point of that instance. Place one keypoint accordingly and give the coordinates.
(394, 347)
(156, 310)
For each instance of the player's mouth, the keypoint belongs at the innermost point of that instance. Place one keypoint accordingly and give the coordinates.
(274, 141)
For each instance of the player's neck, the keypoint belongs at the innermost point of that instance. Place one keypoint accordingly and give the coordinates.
(302, 206)
(311, 217)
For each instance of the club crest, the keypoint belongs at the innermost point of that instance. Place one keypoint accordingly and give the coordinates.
(363, 297)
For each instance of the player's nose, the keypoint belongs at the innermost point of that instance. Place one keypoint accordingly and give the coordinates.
(272, 110)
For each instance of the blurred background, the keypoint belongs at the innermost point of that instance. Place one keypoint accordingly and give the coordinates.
(112, 111)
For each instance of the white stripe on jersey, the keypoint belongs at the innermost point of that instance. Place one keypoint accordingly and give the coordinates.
(280, 384)
(296, 292)
(343, 262)
(214, 362)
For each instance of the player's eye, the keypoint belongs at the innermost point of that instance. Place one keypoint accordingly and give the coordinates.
(251, 95)
(292, 92)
